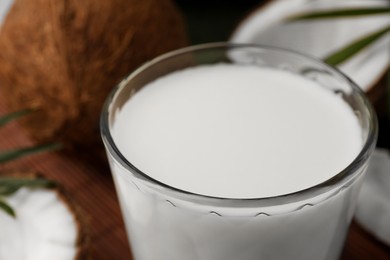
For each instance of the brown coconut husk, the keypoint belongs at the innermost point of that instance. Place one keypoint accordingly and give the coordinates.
(378, 94)
(83, 243)
(61, 58)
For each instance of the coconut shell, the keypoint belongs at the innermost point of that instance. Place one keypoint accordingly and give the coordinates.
(61, 58)
(378, 94)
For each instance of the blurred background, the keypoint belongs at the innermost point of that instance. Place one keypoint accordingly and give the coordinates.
(209, 21)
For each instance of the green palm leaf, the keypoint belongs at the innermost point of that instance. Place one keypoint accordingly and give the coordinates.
(353, 48)
(9, 186)
(18, 153)
(7, 208)
(339, 13)
(12, 116)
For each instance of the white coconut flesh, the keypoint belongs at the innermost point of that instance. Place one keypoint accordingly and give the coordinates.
(44, 227)
(320, 38)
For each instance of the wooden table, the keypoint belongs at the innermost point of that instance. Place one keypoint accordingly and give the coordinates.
(92, 188)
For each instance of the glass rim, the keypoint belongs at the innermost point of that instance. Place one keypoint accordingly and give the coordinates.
(338, 179)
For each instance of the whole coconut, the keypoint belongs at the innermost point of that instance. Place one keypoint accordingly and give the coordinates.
(61, 58)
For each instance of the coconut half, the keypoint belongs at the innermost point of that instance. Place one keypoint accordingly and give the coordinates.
(62, 58)
(320, 38)
(45, 226)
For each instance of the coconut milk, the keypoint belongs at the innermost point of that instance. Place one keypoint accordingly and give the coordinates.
(235, 131)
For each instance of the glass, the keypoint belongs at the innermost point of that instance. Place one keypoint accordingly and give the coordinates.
(167, 223)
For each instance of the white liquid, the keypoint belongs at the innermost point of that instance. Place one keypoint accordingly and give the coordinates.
(237, 131)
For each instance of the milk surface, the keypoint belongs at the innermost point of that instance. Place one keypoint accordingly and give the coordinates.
(237, 131)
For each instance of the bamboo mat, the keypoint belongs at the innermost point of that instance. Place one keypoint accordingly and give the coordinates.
(92, 188)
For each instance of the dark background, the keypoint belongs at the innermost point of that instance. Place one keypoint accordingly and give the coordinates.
(214, 20)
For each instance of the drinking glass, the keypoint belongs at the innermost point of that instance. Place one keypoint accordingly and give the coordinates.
(167, 223)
